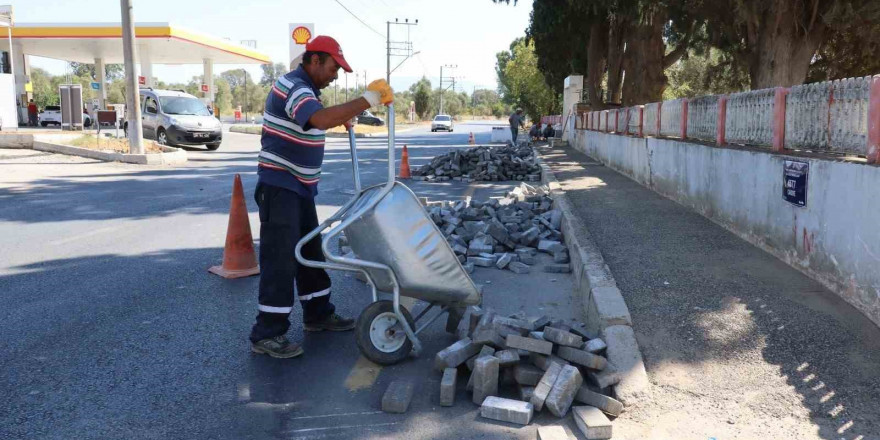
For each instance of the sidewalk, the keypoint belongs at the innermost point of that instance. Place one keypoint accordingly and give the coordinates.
(737, 344)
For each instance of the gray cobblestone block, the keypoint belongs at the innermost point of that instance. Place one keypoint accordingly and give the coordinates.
(592, 423)
(553, 433)
(485, 378)
(605, 378)
(504, 330)
(455, 354)
(539, 323)
(530, 235)
(581, 330)
(474, 319)
(397, 397)
(560, 324)
(507, 357)
(532, 345)
(489, 336)
(485, 351)
(607, 404)
(556, 268)
(526, 393)
(542, 390)
(478, 247)
(526, 374)
(595, 345)
(503, 261)
(507, 410)
(480, 261)
(581, 357)
(562, 337)
(550, 246)
(527, 259)
(543, 362)
(513, 322)
(519, 268)
(537, 335)
(564, 389)
(447, 387)
(469, 266)
(561, 257)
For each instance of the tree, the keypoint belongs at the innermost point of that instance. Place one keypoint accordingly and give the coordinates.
(271, 72)
(525, 83)
(222, 95)
(849, 51)
(779, 40)
(708, 72)
(111, 71)
(421, 92)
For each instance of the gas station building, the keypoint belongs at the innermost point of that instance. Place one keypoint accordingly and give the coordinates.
(101, 43)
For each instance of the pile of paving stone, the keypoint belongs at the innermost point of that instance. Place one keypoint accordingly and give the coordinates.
(538, 363)
(494, 163)
(505, 233)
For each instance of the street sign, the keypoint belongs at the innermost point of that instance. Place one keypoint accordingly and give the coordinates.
(794, 182)
(205, 88)
(29, 87)
(142, 80)
(96, 85)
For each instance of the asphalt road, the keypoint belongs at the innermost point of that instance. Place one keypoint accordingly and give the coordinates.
(112, 327)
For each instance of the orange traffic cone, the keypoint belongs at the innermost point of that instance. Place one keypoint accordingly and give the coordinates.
(239, 258)
(471, 139)
(404, 164)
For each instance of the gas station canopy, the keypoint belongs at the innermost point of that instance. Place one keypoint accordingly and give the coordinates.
(160, 43)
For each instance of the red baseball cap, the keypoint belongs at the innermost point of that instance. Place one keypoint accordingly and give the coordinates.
(323, 43)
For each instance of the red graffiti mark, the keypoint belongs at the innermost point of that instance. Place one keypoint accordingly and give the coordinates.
(808, 241)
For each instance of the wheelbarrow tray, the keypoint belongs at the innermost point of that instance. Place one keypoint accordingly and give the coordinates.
(397, 232)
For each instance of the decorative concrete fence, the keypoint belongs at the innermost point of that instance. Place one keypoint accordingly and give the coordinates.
(833, 116)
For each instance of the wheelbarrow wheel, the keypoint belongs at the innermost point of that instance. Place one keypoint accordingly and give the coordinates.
(379, 335)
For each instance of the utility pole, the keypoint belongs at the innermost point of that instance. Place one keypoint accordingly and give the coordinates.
(397, 48)
(133, 98)
(451, 66)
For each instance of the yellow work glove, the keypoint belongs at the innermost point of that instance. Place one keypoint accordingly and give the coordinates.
(379, 92)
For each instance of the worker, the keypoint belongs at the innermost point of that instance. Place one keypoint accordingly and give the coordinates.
(32, 113)
(516, 121)
(535, 132)
(289, 166)
(549, 131)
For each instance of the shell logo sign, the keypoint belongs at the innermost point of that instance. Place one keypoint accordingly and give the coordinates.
(301, 35)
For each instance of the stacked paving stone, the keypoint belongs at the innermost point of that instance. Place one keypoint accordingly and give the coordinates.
(495, 163)
(518, 366)
(504, 233)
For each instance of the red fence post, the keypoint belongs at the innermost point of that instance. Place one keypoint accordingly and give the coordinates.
(684, 118)
(720, 133)
(779, 119)
(873, 151)
(659, 113)
(641, 121)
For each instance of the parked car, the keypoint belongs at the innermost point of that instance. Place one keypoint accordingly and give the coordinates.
(368, 118)
(178, 118)
(52, 115)
(441, 122)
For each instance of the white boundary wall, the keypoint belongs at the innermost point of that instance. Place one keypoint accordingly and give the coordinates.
(835, 239)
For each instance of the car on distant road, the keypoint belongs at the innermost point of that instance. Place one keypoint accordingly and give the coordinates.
(52, 115)
(367, 118)
(441, 122)
(173, 117)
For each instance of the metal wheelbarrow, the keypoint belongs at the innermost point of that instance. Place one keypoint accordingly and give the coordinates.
(400, 251)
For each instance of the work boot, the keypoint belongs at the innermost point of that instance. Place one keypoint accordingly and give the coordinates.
(277, 347)
(334, 323)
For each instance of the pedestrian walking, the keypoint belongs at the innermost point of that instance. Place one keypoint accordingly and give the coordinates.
(289, 168)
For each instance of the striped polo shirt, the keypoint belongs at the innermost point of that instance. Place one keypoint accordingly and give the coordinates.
(292, 150)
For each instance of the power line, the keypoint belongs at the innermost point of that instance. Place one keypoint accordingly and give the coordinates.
(359, 19)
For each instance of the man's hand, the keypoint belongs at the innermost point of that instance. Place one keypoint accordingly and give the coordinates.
(379, 92)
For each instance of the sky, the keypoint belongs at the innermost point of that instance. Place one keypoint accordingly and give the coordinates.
(464, 33)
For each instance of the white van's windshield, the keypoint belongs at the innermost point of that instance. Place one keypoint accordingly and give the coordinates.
(182, 105)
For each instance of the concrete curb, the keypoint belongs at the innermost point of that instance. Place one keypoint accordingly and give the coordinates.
(169, 155)
(605, 310)
(258, 128)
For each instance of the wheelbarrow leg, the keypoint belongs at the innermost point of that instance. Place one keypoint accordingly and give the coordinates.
(417, 345)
